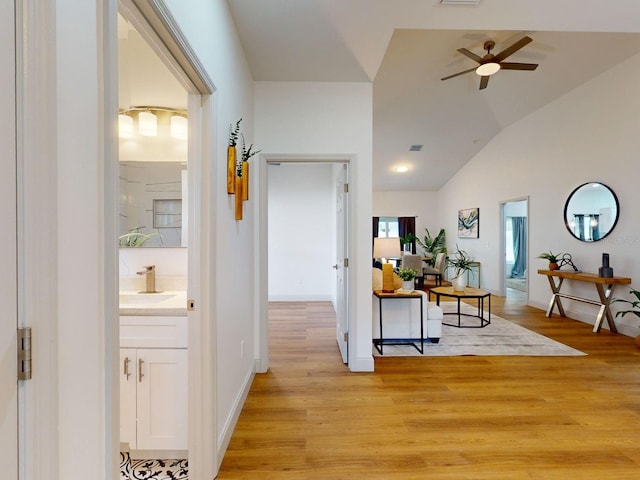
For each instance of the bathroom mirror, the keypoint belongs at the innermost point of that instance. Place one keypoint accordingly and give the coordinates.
(591, 212)
(153, 208)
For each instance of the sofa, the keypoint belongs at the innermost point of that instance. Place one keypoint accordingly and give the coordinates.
(401, 317)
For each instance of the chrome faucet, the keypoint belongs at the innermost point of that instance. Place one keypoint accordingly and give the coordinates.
(150, 275)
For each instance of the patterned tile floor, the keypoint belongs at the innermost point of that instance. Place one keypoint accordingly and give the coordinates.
(152, 469)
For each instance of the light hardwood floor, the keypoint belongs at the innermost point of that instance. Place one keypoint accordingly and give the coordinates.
(453, 418)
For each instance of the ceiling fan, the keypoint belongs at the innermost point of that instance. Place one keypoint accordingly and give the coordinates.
(490, 64)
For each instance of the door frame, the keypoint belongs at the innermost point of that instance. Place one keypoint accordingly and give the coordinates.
(157, 26)
(502, 270)
(261, 252)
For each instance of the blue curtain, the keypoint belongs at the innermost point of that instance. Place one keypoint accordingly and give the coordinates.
(519, 229)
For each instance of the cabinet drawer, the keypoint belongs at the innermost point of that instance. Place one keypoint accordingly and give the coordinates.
(153, 332)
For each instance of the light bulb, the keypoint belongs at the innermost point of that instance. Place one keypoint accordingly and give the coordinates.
(179, 127)
(147, 124)
(125, 126)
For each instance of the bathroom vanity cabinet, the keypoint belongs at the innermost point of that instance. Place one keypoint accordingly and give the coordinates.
(153, 383)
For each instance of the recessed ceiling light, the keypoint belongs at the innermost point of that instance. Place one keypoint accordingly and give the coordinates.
(415, 148)
(459, 2)
(401, 169)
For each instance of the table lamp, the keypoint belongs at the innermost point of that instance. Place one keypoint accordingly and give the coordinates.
(386, 248)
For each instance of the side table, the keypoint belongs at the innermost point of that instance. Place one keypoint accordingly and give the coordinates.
(379, 342)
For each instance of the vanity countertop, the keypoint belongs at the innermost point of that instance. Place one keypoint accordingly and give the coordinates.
(167, 303)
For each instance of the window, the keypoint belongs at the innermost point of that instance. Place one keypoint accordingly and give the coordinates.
(388, 227)
(167, 213)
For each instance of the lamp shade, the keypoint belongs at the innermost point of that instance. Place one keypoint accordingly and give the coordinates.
(179, 127)
(147, 124)
(125, 126)
(386, 247)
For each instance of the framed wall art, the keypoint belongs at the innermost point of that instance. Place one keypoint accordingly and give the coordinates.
(469, 223)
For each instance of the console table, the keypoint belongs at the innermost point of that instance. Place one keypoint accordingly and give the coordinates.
(379, 342)
(604, 286)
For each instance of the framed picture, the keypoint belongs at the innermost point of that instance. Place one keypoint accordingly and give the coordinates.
(469, 223)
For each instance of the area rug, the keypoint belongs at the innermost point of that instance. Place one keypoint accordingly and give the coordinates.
(500, 337)
(152, 469)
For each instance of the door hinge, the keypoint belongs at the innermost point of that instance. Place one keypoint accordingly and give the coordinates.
(345, 263)
(24, 353)
(346, 336)
(346, 188)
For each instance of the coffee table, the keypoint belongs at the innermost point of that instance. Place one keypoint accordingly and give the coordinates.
(467, 293)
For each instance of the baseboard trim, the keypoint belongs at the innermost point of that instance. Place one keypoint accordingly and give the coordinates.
(230, 424)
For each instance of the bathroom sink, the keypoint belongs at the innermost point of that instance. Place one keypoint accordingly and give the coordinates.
(144, 298)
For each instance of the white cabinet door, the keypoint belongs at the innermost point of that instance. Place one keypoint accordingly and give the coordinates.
(162, 399)
(128, 380)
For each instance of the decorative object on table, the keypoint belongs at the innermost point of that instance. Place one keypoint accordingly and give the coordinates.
(232, 157)
(408, 276)
(634, 308)
(407, 242)
(432, 246)
(591, 212)
(469, 223)
(566, 260)
(552, 258)
(386, 247)
(605, 270)
(244, 170)
(462, 262)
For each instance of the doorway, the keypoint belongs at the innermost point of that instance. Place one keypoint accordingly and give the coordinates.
(159, 31)
(515, 241)
(307, 238)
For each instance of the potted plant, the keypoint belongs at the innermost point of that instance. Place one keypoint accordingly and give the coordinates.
(406, 242)
(408, 276)
(231, 156)
(433, 245)
(243, 167)
(552, 258)
(634, 308)
(461, 263)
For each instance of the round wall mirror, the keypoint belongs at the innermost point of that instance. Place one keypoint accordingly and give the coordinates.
(591, 212)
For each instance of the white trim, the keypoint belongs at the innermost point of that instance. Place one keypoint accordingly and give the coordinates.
(261, 252)
(227, 430)
(159, 28)
(37, 220)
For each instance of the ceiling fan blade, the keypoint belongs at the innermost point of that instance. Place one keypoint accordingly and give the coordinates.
(484, 81)
(518, 66)
(459, 73)
(470, 54)
(512, 49)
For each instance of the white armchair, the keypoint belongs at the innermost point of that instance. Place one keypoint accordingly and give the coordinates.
(401, 317)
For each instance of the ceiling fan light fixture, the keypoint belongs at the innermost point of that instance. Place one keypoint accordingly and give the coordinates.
(488, 69)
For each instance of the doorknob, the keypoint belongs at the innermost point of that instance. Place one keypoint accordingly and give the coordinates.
(335, 266)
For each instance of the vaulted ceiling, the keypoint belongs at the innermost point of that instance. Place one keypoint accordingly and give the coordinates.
(406, 46)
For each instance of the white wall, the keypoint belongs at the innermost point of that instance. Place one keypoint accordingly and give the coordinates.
(589, 134)
(301, 236)
(211, 33)
(330, 120)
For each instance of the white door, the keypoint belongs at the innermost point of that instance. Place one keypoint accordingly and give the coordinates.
(342, 318)
(162, 399)
(8, 279)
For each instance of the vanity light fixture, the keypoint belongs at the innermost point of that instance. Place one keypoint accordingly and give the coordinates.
(148, 118)
(179, 127)
(147, 124)
(125, 125)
